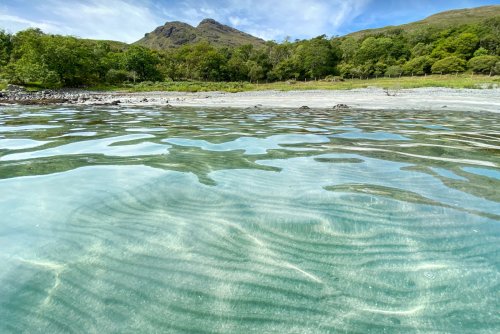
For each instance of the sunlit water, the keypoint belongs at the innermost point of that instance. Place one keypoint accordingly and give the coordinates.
(154, 220)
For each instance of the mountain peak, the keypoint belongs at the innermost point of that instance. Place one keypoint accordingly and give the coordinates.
(175, 34)
(209, 21)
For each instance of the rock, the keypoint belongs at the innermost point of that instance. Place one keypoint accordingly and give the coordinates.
(304, 107)
(15, 88)
(341, 106)
(115, 103)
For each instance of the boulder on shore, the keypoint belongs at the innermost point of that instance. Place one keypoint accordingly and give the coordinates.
(341, 106)
(15, 88)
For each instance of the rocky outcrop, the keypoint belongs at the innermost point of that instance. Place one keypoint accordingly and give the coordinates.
(18, 95)
(175, 34)
(15, 88)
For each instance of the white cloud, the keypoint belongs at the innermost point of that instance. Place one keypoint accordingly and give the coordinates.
(128, 20)
(16, 23)
(110, 19)
(238, 21)
(275, 19)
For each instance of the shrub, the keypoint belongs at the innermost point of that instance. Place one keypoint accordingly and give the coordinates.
(394, 71)
(481, 52)
(345, 70)
(496, 68)
(51, 80)
(333, 78)
(451, 64)
(116, 76)
(418, 66)
(483, 64)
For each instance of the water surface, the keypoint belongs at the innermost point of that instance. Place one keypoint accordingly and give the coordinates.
(193, 220)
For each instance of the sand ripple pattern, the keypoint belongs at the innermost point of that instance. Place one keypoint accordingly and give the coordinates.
(248, 221)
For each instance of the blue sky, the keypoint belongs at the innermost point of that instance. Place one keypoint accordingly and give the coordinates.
(128, 20)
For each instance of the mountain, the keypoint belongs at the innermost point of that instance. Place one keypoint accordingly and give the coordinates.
(175, 34)
(443, 20)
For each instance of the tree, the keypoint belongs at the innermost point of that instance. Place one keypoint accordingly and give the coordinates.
(202, 61)
(379, 68)
(465, 45)
(280, 52)
(491, 43)
(114, 76)
(5, 48)
(421, 49)
(143, 62)
(315, 57)
(71, 59)
(286, 69)
(394, 71)
(451, 64)
(237, 64)
(419, 66)
(483, 64)
(346, 70)
(237, 68)
(256, 71)
(27, 63)
(373, 49)
(462, 46)
(349, 46)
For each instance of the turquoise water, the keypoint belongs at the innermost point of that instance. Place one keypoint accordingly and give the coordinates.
(151, 220)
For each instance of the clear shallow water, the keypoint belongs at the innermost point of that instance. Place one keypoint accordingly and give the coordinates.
(225, 221)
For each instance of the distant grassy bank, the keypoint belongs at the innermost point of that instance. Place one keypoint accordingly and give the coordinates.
(447, 81)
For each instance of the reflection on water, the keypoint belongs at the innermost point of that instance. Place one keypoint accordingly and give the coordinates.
(228, 220)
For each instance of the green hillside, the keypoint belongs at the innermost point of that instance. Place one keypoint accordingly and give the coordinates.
(440, 21)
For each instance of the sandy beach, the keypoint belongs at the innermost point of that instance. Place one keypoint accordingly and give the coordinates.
(369, 98)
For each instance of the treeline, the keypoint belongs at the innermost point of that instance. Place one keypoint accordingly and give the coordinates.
(31, 56)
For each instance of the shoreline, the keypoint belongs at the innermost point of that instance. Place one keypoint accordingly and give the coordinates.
(366, 98)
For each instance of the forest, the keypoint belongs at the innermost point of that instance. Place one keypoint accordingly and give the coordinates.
(31, 57)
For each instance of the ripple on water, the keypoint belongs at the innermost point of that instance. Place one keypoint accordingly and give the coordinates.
(250, 226)
(20, 144)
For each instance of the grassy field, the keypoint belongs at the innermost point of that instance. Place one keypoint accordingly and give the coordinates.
(449, 81)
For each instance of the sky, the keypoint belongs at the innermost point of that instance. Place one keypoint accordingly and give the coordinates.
(129, 20)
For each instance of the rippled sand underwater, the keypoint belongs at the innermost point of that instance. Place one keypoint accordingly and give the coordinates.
(192, 220)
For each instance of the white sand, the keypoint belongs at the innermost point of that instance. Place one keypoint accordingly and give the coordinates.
(369, 98)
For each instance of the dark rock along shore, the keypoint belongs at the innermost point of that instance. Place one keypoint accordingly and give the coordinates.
(19, 95)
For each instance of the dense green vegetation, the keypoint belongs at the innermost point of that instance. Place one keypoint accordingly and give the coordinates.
(54, 61)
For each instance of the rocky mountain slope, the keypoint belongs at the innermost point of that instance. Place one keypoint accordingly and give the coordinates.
(175, 34)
